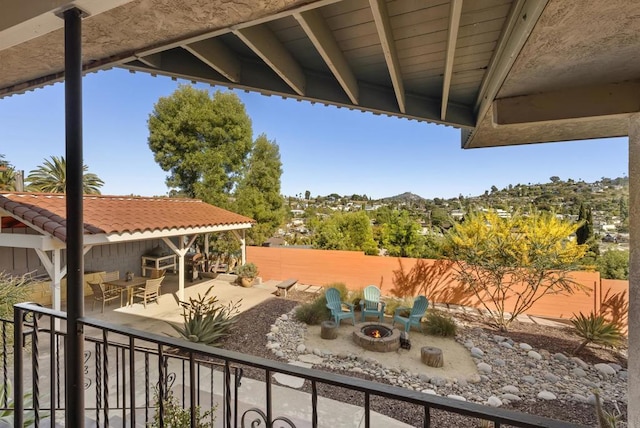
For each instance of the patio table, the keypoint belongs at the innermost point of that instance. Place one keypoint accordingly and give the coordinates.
(127, 286)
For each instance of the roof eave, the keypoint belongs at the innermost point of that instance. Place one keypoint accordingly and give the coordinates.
(109, 238)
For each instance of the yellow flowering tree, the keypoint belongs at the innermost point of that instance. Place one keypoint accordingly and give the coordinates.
(510, 263)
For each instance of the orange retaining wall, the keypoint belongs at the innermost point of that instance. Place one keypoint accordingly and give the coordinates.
(357, 270)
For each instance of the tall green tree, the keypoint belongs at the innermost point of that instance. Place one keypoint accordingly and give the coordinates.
(51, 177)
(399, 234)
(346, 231)
(509, 264)
(585, 231)
(202, 141)
(258, 193)
(614, 264)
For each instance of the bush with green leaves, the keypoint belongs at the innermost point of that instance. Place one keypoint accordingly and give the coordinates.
(355, 297)
(393, 304)
(342, 288)
(247, 270)
(206, 320)
(6, 414)
(440, 324)
(177, 416)
(12, 290)
(595, 329)
(314, 312)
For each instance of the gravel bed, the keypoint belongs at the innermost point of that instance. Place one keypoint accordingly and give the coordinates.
(253, 332)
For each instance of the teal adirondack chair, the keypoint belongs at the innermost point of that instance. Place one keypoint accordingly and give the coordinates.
(336, 306)
(371, 305)
(418, 310)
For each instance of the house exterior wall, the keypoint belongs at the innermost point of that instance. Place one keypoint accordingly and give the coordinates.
(436, 279)
(18, 261)
(123, 257)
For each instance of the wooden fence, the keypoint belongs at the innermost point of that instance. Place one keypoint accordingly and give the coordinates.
(433, 278)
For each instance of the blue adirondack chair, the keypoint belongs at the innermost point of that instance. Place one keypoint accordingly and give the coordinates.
(371, 304)
(418, 310)
(336, 306)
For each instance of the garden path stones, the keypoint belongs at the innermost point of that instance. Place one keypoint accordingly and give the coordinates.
(292, 381)
(605, 369)
(310, 358)
(520, 373)
(546, 395)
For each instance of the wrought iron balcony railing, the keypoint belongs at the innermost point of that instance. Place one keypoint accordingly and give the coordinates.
(132, 377)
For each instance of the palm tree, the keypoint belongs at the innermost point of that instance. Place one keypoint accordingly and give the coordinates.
(7, 175)
(51, 177)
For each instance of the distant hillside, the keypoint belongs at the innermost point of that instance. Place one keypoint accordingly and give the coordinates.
(405, 197)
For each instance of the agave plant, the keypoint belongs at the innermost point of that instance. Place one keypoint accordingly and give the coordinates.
(206, 320)
(607, 419)
(595, 329)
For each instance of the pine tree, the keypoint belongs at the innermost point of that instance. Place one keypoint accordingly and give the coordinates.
(585, 231)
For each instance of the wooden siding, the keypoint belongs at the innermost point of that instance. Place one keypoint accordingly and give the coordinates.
(436, 280)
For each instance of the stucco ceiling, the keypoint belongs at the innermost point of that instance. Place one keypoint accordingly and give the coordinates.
(504, 71)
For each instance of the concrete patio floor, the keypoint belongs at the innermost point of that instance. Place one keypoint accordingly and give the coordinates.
(156, 316)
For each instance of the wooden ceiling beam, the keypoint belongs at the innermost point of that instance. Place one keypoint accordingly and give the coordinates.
(455, 11)
(383, 26)
(267, 46)
(217, 56)
(320, 35)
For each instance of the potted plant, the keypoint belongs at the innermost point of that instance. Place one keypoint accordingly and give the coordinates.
(247, 274)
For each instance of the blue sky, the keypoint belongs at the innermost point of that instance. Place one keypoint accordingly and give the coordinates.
(323, 149)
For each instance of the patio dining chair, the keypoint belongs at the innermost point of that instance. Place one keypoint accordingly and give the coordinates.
(418, 310)
(150, 291)
(339, 310)
(371, 305)
(102, 294)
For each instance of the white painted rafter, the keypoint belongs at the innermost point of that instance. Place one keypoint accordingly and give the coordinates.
(383, 25)
(217, 56)
(266, 45)
(521, 21)
(455, 11)
(320, 35)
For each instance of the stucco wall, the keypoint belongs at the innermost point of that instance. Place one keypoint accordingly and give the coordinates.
(433, 278)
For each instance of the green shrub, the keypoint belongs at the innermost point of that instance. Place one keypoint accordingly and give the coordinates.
(247, 270)
(393, 304)
(12, 290)
(313, 313)
(355, 297)
(6, 415)
(595, 329)
(205, 320)
(342, 288)
(175, 416)
(440, 324)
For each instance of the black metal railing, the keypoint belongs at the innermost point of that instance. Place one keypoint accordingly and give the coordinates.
(133, 377)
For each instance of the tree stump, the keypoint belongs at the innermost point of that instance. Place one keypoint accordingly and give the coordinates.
(431, 356)
(328, 330)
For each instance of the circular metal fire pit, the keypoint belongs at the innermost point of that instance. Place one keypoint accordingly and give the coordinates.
(376, 337)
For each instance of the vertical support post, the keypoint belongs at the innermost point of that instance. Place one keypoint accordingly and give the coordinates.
(181, 272)
(633, 394)
(243, 243)
(206, 252)
(74, 415)
(18, 368)
(55, 280)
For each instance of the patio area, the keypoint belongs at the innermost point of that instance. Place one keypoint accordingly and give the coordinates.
(155, 316)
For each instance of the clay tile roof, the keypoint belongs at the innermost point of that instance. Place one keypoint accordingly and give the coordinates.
(117, 214)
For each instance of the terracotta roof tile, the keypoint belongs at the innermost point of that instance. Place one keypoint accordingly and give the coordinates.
(117, 214)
